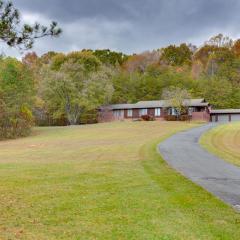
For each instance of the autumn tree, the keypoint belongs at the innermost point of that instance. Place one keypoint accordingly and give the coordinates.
(47, 57)
(220, 41)
(203, 53)
(177, 97)
(31, 60)
(72, 90)
(236, 48)
(16, 79)
(197, 69)
(217, 91)
(107, 56)
(176, 55)
(140, 62)
(16, 98)
(86, 58)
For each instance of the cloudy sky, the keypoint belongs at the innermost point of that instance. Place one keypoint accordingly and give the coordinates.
(130, 26)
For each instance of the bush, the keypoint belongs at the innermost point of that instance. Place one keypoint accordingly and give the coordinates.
(170, 118)
(147, 118)
(13, 125)
(44, 118)
(88, 117)
(180, 118)
(185, 118)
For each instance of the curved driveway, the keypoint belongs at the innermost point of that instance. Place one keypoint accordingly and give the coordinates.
(184, 153)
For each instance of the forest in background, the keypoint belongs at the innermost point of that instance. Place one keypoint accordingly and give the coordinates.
(66, 89)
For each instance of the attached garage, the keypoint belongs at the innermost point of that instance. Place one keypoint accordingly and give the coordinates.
(235, 117)
(225, 115)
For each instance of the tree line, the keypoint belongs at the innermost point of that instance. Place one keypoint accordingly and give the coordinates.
(17, 83)
(66, 89)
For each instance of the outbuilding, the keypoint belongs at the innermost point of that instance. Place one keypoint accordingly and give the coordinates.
(225, 115)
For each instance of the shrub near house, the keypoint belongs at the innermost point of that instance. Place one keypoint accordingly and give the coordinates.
(147, 118)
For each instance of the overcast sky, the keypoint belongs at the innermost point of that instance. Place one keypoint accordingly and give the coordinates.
(130, 26)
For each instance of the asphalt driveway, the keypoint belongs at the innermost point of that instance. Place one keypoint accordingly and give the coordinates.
(184, 153)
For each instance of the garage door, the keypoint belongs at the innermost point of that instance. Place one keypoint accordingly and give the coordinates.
(223, 118)
(235, 117)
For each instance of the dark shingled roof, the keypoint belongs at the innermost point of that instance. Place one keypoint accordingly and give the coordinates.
(158, 104)
(219, 111)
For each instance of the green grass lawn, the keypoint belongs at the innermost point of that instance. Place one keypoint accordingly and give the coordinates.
(224, 141)
(104, 181)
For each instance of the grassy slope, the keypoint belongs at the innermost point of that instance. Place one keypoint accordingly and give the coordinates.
(224, 141)
(104, 181)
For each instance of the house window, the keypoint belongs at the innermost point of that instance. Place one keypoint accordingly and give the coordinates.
(143, 112)
(172, 111)
(157, 112)
(118, 113)
(190, 111)
(130, 113)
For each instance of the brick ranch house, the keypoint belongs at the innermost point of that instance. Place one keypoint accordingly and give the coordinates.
(198, 109)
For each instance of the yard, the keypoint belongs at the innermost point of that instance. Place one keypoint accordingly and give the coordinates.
(224, 141)
(104, 181)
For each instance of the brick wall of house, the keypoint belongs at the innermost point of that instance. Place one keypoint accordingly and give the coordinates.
(151, 111)
(164, 113)
(125, 113)
(135, 113)
(105, 115)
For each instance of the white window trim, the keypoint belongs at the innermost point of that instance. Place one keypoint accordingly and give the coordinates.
(172, 111)
(129, 112)
(118, 113)
(158, 112)
(143, 111)
(190, 111)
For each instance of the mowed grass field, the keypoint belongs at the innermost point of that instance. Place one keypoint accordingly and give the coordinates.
(104, 181)
(224, 141)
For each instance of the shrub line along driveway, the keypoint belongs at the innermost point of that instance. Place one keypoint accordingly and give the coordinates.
(184, 153)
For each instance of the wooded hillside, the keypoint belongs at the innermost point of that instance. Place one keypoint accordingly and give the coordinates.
(61, 89)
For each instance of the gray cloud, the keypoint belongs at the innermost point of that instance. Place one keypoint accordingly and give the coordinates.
(131, 25)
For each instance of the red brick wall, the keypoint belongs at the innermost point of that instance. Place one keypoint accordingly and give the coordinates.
(135, 113)
(125, 113)
(105, 115)
(151, 112)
